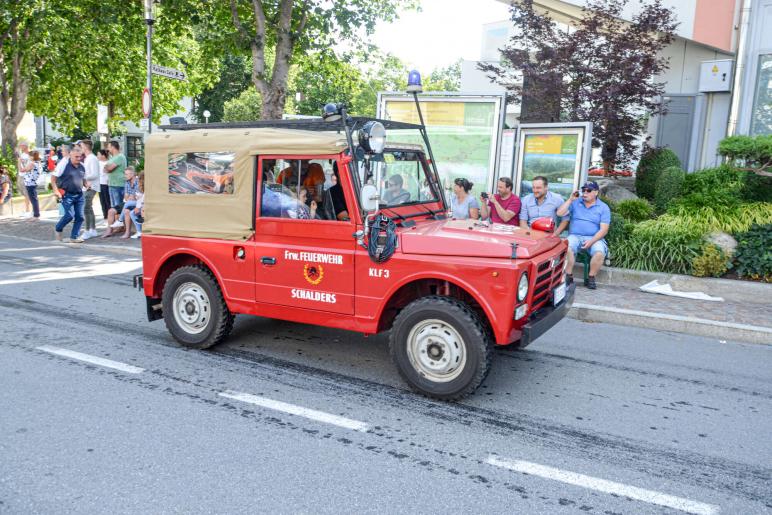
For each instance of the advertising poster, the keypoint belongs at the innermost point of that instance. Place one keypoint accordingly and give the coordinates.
(463, 133)
(554, 156)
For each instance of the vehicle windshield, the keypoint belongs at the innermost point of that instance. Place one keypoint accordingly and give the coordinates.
(404, 178)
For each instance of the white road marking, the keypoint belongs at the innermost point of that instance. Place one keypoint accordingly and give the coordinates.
(95, 360)
(59, 273)
(319, 416)
(602, 485)
(25, 249)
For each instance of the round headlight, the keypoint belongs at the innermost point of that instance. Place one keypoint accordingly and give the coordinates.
(522, 287)
(372, 137)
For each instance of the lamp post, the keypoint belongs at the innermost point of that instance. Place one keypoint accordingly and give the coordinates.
(150, 20)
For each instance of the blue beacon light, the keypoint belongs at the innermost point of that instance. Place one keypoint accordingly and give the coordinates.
(414, 82)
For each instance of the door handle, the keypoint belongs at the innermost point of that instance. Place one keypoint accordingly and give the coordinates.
(268, 260)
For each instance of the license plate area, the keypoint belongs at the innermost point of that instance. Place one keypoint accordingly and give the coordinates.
(558, 294)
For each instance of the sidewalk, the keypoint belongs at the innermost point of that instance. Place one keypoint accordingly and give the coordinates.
(725, 321)
(745, 315)
(43, 230)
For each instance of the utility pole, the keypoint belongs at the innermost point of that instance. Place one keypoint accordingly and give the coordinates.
(150, 20)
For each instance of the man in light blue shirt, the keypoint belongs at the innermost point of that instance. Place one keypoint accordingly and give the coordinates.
(542, 203)
(590, 220)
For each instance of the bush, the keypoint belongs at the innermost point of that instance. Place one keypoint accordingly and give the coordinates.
(618, 230)
(753, 256)
(610, 203)
(243, 108)
(751, 152)
(723, 185)
(652, 163)
(712, 262)
(668, 187)
(635, 210)
(658, 247)
(731, 219)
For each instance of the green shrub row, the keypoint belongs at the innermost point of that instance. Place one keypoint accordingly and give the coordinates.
(668, 187)
(656, 247)
(634, 210)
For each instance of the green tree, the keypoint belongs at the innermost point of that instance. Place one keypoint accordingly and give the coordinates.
(234, 79)
(323, 77)
(445, 79)
(291, 29)
(244, 108)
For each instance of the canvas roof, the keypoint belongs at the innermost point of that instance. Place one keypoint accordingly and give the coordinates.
(224, 216)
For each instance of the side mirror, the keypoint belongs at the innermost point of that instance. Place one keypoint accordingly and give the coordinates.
(543, 224)
(369, 198)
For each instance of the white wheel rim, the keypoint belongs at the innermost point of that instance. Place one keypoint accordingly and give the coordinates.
(192, 309)
(436, 350)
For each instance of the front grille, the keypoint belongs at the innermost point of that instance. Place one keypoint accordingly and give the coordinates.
(547, 278)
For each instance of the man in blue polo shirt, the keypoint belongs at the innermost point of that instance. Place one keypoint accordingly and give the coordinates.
(590, 219)
(542, 203)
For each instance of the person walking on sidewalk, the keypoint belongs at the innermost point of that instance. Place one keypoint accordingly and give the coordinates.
(31, 183)
(71, 181)
(589, 222)
(24, 165)
(91, 164)
(115, 167)
(104, 185)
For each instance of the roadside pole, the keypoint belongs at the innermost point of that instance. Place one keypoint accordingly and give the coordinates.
(150, 20)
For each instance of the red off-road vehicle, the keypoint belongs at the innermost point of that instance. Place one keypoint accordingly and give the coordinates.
(326, 223)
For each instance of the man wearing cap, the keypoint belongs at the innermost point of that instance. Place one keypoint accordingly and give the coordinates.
(589, 223)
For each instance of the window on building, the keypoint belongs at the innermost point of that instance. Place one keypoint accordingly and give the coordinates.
(301, 189)
(761, 117)
(201, 172)
(135, 148)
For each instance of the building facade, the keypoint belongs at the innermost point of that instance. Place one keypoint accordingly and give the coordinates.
(705, 101)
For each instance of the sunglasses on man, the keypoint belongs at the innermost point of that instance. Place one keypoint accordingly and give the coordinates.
(587, 190)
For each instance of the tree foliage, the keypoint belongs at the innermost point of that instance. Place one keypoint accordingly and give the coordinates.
(60, 58)
(290, 29)
(234, 78)
(753, 154)
(602, 71)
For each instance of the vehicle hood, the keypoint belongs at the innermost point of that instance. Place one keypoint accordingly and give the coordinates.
(471, 238)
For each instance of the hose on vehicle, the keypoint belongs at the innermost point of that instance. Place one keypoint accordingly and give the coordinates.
(383, 239)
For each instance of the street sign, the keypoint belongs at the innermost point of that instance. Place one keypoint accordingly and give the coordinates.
(146, 102)
(170, 73)
(144, 124)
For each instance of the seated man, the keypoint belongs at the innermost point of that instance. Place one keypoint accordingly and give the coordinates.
(589, 222)
(395, 193)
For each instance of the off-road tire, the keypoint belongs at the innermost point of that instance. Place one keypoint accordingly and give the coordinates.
(475, 334)
(220, 319)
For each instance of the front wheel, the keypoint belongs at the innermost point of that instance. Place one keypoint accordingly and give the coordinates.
(441, 347)
(194, 310)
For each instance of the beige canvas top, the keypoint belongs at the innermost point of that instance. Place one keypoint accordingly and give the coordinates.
(224, 216)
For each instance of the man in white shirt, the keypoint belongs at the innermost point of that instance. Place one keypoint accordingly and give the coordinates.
(24, 165)
(63, 161)
(90, 187)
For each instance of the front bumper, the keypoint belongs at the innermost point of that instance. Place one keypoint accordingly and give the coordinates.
(542, 321)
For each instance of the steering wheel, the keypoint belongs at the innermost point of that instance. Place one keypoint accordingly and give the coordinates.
(400, 199)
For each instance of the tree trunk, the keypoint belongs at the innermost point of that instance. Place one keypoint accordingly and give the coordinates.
(9, 137)
(273, 104)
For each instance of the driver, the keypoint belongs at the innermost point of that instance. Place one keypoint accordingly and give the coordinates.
(395, 193)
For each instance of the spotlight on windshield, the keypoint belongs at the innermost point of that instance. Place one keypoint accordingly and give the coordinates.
(372, 137)
(331, 112)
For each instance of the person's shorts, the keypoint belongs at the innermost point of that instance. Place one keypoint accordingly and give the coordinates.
(575, 242)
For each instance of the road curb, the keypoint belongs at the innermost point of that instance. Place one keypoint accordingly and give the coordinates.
(676, 323)
(730, 289)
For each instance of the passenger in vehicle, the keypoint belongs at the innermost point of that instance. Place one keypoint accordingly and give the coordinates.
(287, 176)
(306, 206)
(314, 181)
(335, 202)
(395, 193)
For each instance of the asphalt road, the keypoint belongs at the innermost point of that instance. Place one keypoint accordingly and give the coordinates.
(288, 418)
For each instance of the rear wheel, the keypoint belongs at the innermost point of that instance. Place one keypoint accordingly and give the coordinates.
(441, 347)
(194, 309)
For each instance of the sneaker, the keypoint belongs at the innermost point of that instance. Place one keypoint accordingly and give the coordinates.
(57, 236)
(136, 235)
(117, 224)
(76, 240)
(86, 235)
(590, 283)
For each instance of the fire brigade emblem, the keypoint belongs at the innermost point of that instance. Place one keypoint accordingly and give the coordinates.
(313, 273)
